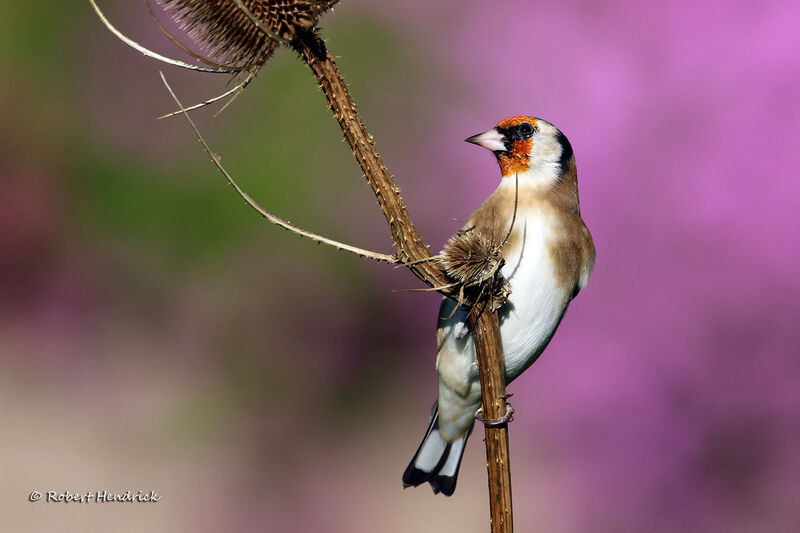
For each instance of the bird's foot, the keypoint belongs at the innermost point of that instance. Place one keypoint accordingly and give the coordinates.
(495, 422)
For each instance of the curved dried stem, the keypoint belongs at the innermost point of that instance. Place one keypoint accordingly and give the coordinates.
(263, 212)
(149, 53)
(236, 93)
(237, 90)
(418, 261)
(430, 289)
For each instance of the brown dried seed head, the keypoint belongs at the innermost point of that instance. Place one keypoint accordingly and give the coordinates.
(228, 34)
(470, 257)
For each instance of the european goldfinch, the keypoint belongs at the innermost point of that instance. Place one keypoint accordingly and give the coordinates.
(549, 255)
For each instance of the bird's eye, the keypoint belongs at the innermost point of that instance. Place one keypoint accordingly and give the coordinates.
(525, 129)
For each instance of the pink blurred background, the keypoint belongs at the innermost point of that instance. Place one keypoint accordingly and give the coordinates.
(157, 335)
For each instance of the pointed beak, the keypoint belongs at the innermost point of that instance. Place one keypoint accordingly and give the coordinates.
(491, 140)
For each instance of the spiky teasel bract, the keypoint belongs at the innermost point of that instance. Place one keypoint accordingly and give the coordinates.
(474, 261)
(229, 34)
(470, 256)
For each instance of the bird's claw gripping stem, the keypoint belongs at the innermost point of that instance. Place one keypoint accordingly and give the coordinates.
(495, 422)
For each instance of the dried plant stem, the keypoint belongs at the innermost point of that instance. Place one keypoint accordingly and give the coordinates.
(410, 246)
(486, 333)
(237, 89)
(412, 252)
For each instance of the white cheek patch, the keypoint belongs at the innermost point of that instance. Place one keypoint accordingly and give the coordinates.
(545, 168)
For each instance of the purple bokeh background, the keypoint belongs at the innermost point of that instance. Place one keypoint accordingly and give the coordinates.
(263, 385)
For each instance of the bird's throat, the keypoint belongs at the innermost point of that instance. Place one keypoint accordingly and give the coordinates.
(517, 160)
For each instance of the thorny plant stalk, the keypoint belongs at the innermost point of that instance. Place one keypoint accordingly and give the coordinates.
(411, 250)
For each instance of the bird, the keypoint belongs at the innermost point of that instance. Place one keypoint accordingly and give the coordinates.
(548, 254)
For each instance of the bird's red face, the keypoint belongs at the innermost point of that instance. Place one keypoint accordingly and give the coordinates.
(512, 143)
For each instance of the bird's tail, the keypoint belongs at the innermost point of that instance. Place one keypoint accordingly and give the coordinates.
(436, 461)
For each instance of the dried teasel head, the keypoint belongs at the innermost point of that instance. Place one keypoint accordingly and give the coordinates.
(230, 34)
(474, 260)
(470, 257)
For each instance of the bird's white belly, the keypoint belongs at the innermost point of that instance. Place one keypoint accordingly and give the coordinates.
(537, 300)
(527, 320)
